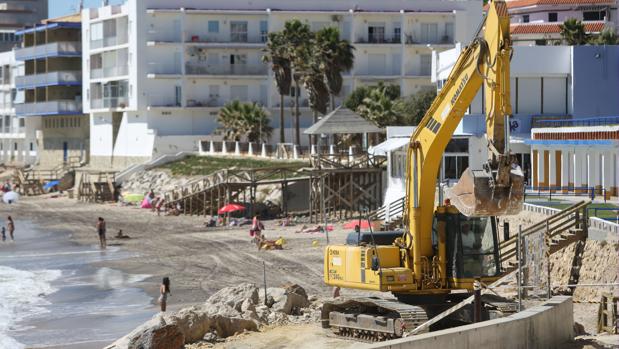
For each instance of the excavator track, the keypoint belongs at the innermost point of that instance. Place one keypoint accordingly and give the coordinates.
(371, 319)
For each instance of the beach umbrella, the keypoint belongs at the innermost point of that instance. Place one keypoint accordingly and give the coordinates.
(10, 197)
(49, 185)
(363, 224)
(146, 203)
(230, 208)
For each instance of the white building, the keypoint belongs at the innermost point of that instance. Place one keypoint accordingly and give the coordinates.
(156, 72)
(18, 144)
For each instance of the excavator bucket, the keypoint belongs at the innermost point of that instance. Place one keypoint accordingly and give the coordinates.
(474, 195)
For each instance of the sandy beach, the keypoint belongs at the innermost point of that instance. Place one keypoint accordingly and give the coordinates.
(198, 260)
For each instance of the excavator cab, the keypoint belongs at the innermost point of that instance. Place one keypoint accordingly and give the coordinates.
(471, 248)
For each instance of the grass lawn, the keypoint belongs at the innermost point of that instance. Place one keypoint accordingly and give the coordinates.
(557, 203)
(205, 165)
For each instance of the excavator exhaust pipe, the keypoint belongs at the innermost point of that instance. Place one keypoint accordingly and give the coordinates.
(475, 195)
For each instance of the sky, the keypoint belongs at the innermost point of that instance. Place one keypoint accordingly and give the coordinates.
(59, 8)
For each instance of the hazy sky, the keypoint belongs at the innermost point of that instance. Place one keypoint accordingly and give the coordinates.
(64, 7)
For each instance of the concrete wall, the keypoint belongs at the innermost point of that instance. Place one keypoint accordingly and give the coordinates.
(546, 326)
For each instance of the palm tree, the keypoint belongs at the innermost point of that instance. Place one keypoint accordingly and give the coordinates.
(607, 37)
(297, 37)
(379, 108)
(573, 32)
(337, 57)
(244, 120)
(277, 55)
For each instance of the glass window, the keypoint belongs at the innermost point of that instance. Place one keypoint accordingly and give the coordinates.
(264, 31)
(397, 32)
(449, 32)
(213, 26)
(376, 33)
(552, 17)
(457, 145)
(238, 31)
(477, 237)
(31, 146)
(525, 18)
(429, 32)
(426, 65)
(593, 15)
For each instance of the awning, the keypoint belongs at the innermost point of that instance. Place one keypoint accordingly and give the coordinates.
(388, 146)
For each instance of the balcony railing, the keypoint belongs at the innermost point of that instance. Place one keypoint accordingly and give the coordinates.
(379, 39)
(226, 69)
(233, 38)
(206, 102)
(378, 71)
(418, 40)
(49, 79)
(48, 50)
(164, 36)
(116, 102)
(49, 108)
(108, 41)
(109, 72)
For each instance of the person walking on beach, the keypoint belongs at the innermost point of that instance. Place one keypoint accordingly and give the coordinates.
(101, 232)
(11, 227)
(164, 292)
(3, 234)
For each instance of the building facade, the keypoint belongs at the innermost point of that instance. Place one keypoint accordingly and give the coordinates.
(17, 14)
(157, 72)
(572, 86)
(536, 22)
(52, 92)
(18, 145)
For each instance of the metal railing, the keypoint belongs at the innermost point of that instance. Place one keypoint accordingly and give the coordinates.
(378, 71)
(109, 72)
(226, 69)
(599, 121)
(412, 39)
(53, 48)
(379, 39)
(549, 192)
(120, 102)
(50, 107)
(45, 79)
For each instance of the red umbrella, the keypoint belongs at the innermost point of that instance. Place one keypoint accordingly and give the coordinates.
(230, 208)
(364, 224)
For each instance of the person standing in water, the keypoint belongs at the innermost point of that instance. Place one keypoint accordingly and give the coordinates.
(3, 234)
(164, 292)
(11, 227)
(101, 232)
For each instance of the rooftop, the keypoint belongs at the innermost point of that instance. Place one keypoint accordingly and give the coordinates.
(340, 121)
(552, 28)
(527, 3)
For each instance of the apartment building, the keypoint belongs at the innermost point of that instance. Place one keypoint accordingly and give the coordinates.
(17, 14)
(52, 92)
(18, 145)
(156, 72)
(536, 22)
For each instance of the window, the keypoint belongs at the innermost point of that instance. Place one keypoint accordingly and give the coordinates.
(264, 31)
(376, 33)
(22, 122)
(425, 64)
(31, 146)
(552, 17)
(454, 166)
(238, 31)
(15, 146)
(429, 32)
(178, 92)
(457, 145)
(239, 92)
(449, 32)
(96, 35)
(525, 18)
(213, 26)
(593, 15)
(397, 32)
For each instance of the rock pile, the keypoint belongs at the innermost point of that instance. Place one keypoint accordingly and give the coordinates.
(156, 179)
(230, 311)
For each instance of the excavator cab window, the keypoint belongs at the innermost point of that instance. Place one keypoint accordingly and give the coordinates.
(472, 246)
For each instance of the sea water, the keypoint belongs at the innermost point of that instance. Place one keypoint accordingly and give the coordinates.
(53, 294)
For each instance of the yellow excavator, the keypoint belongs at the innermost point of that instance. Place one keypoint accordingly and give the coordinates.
(443, 248)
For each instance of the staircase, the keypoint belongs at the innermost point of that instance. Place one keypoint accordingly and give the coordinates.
(560, 230)
(390, 214)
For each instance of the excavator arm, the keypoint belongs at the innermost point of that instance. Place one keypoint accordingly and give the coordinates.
(497, 189)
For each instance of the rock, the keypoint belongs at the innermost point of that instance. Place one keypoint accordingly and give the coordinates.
(166, 336)
(579, 329)
(248, 305)
(235, 296)
(210, 337)
(287, 300)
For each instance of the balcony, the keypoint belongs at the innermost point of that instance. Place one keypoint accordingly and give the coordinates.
(49, 79)
(54, 49)
(419, 40)
(378, 71)
(60, 107)
(378, 39)
(232, 39)
(115, 102)
(110, 72)
(108, 42)
(226, 69)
